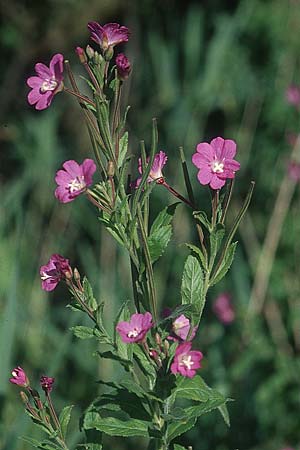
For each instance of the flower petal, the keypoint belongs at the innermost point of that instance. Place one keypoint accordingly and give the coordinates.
(57, 66)
(73, 168)
(88, 168)
(34, 82)
(43, 71)
(216, 182)
(45, 100)
(33, 96)
(229, 149)
(204, 176)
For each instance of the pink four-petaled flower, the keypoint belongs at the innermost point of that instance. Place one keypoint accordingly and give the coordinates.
(181, 327)
(215, 162)
(136, 329)
(47, 383)
(53, 272)
(155, 174)
(74, 179)
(223, 308)
(186, 361)
(19, 377)
(47, 83)
(109, 35)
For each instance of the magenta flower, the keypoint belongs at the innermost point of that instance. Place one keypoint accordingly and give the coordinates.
(136, 329)
(74, 179)
(181, 327)
(109, 35)
(19, 377)
(47, 83)
(292, 95)
(294, 170)
(186, 361)
(123, 66)
(46, 383)
(215, 162)
(53, 272)
(155, 174)
(223, 308)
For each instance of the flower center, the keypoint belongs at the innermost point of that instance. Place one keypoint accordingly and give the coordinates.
(133, 333)
(186, 361)
(14, 374)
(77, 184)
(217, 167)
(44, 276)
(49, 84)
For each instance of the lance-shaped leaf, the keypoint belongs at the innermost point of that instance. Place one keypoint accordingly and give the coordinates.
(116, 427)
(225, 264)
(123, 146)
(176, 429)
(192, 284)
(64, 419)
(89, 295)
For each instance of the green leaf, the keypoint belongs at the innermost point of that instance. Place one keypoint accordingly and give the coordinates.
(225, 264)
(158, 241)
(64, 419)
(216, 238)
(193, 389)
(164, 217)
(179, 447)
(116, 427)
(144, 364)
(30, 441)
(83, 332)
(89, 296)
(192, 283)
(115, 357)
(198, 252)
(123, 146)
(202, 217)
(177, 428)
(224, 413)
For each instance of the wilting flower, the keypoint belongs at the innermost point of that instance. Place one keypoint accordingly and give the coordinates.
(19, 377)
(46, 383)
(136, 329)
(155, 174)
(292, 95)
(181, 327)
(294, 170)
(186, 361)
(123, 66)
(55, 271)
(47, 83)
(215, 161)
(74, 179)
(109, 35)
(223, 308)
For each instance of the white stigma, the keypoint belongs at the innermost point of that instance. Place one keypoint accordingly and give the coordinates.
(186, 361)
(50, 84)
(44, 276)
(133, 333)
(77, 184)
(217, 167)
(14, 374)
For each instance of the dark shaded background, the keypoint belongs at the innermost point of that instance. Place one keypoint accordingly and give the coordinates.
(204, 69)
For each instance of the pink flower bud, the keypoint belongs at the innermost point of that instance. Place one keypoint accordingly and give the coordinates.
(46, 383)
(123, 66)
(19, 377)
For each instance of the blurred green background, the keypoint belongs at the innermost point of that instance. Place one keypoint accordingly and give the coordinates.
(203, 68)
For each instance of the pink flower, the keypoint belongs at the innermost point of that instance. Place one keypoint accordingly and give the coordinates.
(294, 170)
(19, 377)
(155, 174)
(223, 308)
(74, 179)
(46, 383)
(215, 161)
(292, 95)
(47, 83)
(53, 272)
(136, 329)
(181, 327)
(186, 361)
(108, 35)
(123, 66)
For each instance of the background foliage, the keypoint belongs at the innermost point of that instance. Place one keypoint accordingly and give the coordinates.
(203, 68)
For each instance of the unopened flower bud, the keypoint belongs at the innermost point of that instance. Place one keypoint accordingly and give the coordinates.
(76, 274)
(68, 274)
(158, 339)
(110, 169)
(123, 66)
(90, 51)
(108, 53)
(24, 397)
(46, 384)
(81, 55)
(166, 346)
